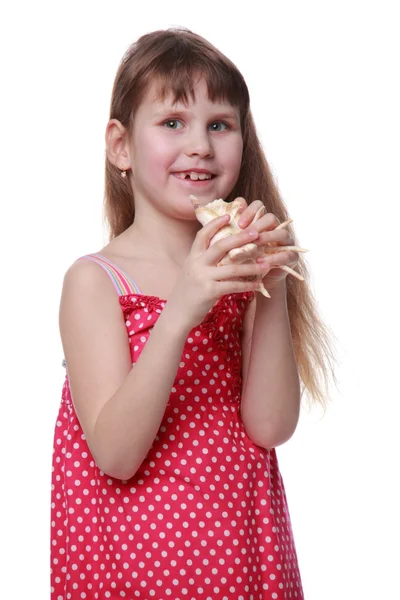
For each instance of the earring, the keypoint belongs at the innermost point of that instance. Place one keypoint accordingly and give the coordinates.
(123, 174)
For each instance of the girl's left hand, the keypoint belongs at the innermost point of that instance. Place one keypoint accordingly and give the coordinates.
(270, 236)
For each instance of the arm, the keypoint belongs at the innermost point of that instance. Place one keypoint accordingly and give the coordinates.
(120, 408)
(271, 388)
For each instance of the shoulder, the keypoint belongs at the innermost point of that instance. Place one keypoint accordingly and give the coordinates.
(88, 277)
(83, 273)
(87, 288)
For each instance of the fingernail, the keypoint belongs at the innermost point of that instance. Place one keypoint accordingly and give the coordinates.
(252, 233)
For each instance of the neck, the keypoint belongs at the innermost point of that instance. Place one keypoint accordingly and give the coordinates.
(160, 236)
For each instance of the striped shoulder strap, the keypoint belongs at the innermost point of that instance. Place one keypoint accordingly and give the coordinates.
(121, 281)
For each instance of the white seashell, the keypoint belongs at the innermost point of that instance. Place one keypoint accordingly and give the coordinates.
(248, 253)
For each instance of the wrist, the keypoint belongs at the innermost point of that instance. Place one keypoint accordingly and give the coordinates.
(278, 297)
(175, 322)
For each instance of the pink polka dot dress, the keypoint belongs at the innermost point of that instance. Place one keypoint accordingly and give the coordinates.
(205, 517)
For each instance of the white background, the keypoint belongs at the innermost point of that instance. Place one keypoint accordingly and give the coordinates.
(324, 79)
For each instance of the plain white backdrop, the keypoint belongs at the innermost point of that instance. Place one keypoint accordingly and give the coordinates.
(323, 78)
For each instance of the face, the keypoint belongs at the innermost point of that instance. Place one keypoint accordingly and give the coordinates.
(179, 150)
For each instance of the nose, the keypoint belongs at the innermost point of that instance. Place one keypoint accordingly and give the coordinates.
(199, 144)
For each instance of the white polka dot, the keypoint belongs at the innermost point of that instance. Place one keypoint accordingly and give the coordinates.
(202, 500)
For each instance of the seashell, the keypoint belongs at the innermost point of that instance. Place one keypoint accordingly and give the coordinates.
(249, 252)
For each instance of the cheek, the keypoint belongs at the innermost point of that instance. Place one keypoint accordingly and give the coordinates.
(154, 156)
(233, 157)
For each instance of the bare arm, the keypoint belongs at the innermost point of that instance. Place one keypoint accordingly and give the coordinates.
(271, 388)
(120, 408)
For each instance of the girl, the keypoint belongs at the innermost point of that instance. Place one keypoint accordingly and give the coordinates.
(180, 383)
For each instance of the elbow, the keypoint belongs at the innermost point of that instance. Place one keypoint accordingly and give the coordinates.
(117, 470)
(112, 458)
(116, 467)
(268, 436)
(268, 442)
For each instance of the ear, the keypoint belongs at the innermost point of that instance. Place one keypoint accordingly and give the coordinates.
(117, 145)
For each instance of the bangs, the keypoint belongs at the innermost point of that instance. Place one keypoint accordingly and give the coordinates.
(179, 68)
(180, 84)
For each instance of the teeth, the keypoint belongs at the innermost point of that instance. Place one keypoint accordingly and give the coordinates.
(195, 176)
(202, 176)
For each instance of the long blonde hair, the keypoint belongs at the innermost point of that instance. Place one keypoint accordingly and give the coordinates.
(176, 58)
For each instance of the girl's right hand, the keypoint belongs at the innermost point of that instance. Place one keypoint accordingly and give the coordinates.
(201, 282)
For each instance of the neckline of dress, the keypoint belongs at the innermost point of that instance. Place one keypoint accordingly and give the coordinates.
(162, 300)
(143, 296)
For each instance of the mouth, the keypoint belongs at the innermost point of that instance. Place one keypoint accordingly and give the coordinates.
(194, 175)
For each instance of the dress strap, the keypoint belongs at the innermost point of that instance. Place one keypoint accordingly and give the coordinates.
(121, 281)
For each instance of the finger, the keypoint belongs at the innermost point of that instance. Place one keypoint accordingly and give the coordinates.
(218, 250)
(290, 258)
(241, 202)
(249, 213)
(281, 236)
(232, 271)
(237, 287)
(204, 235)
(267, 222)
(275, 249)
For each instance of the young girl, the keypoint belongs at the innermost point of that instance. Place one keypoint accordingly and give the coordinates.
(180, 382)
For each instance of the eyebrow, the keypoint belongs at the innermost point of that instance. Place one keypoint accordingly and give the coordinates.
(227, 115)
(170, 110)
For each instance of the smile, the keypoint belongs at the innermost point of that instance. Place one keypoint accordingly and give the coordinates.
(193, 176)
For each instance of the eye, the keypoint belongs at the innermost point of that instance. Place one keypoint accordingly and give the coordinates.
(172, 124)
(219, 126)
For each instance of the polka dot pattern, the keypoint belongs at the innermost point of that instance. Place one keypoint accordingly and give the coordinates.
(206, 514)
